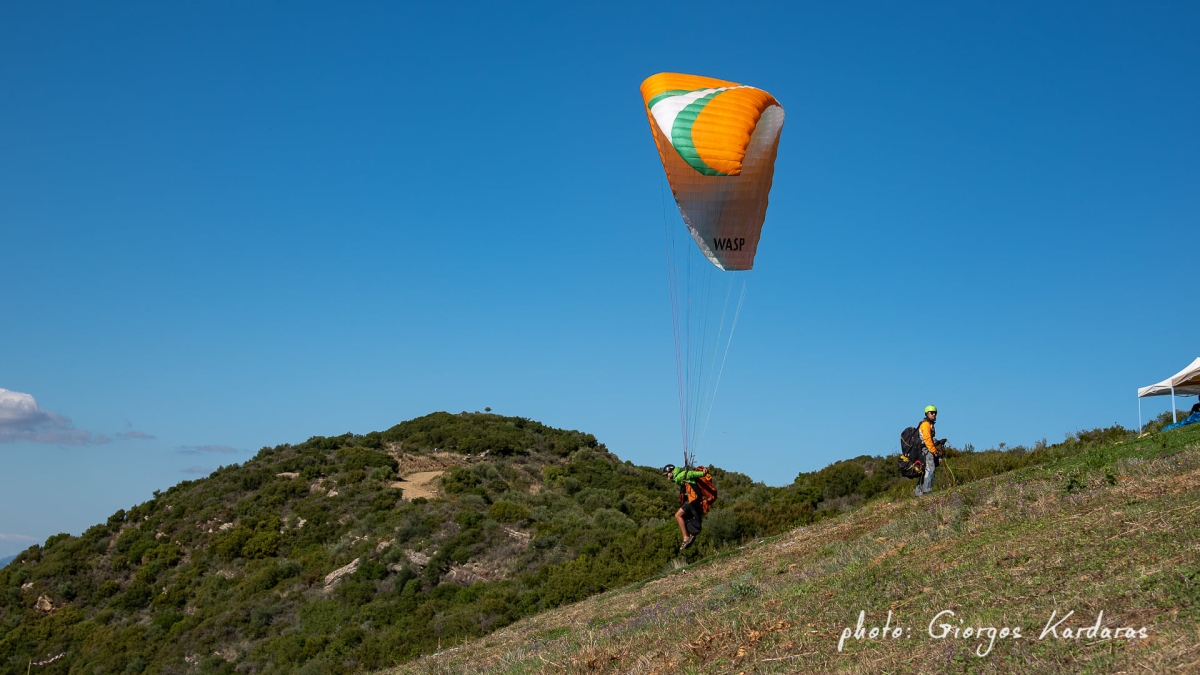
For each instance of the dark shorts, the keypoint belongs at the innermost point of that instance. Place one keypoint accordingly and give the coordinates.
(692, 515)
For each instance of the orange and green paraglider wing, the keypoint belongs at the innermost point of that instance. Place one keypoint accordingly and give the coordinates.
(717, 141)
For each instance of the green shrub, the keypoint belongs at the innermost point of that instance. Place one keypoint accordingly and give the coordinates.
(457, 480)
(570, 484)
(167, 554)
(612, 520)
(136, 596)
(508, 512)
(722, 526)
(356, 592)
(270, 576)
(841, 479)
(386, 500)
(280, 491)
(229, 545)
(107, 589)
(253, 480)
(262, 545)
(164, 622)
(360, 459)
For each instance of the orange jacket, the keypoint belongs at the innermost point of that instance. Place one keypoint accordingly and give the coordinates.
(926, 430)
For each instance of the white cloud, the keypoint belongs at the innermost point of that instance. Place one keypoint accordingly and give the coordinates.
(22, 419)
(134, 433)
(21, 413)
(15, 537)
(198, 449)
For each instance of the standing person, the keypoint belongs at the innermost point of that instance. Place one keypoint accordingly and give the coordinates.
(691, 512)
(929, 440)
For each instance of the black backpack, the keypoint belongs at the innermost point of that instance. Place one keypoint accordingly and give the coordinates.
(912, 453)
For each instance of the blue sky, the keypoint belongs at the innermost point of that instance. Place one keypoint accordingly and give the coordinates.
(229, 226)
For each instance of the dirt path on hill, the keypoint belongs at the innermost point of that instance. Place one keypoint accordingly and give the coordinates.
(418, 473)
(418, 485)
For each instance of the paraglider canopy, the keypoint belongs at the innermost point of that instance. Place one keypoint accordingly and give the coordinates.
(717, 141)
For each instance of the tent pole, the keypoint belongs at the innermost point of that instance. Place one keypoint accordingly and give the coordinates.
(1139, 416)
(1174, 415)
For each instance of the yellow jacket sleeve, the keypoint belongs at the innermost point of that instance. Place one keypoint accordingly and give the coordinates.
(926, 430)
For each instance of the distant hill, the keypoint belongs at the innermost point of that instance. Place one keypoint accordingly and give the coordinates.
(6, 559)
(1104, 532)
(312, 556)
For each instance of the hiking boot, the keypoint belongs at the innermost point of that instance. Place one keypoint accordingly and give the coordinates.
(687, 542)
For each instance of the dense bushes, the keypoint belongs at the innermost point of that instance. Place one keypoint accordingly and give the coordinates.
(508, 512)
(475, 434)
(239, 559)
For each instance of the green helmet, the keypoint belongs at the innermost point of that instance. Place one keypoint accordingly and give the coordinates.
(930, 408)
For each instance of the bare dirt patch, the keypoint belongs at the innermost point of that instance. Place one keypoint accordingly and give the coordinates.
(419, 484)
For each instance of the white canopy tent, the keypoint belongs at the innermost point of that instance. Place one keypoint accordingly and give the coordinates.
(1184, 383)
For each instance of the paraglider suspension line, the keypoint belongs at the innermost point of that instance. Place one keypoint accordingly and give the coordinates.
(673, 283)
(699, 354)
(728, 341)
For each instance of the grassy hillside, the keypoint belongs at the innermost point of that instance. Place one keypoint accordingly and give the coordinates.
(1101, 523)
(309, 558)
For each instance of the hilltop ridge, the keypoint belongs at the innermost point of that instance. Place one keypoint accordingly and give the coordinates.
(355, 551)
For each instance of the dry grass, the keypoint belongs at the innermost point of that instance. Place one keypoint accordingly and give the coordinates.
(418, 463)
(1118, 534)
